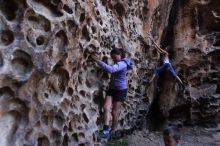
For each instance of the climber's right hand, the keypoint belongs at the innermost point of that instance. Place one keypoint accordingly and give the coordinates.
(94, 57)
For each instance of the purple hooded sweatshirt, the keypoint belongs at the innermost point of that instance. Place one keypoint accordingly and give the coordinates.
(118, 73)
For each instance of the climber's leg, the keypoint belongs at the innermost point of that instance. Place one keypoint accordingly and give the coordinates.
(118, 99)
(107, 108)
(105, 133)
(151, 80)
(157, 71)
(178, 78)
(115, 112)
(160, 69)
(171, 69)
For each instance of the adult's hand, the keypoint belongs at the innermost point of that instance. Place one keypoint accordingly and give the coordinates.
(95, 57)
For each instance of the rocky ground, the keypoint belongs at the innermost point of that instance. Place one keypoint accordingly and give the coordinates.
(196, 136)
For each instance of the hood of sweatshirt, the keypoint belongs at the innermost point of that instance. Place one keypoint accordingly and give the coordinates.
(128, 62)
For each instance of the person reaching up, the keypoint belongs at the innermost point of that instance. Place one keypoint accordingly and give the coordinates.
(166, 64)
(117, 91)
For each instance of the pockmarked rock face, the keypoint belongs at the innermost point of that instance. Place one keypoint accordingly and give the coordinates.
(51, 93)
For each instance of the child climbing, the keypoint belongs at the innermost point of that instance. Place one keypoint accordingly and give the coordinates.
(166, 64)
(171, 136)
(117, 91)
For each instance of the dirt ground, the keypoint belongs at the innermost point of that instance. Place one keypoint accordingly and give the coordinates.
(196, 136)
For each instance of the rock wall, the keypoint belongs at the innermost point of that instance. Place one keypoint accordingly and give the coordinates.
(51, 92)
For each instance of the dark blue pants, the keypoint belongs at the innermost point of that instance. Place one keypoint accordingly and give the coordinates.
(163, 67)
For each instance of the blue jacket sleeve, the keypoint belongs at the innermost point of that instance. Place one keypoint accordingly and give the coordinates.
(114, 68)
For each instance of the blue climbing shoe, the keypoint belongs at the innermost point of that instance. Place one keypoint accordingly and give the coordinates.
(104, 134)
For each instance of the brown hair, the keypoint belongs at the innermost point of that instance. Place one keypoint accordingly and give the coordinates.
(172, 132)
(120, 52)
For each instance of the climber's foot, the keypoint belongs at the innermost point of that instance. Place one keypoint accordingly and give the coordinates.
(104, 134)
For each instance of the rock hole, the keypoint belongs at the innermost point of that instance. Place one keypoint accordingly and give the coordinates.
(83, 106)
(7, 37)
(218, 89)
(6, 93)
(77, 98)
(100, 22)
(40, 40)
(62, 78)
(97, 12)
(55, 135)
(43, 141)
(60, 42)
(33, 18)
(80, 128)
(92, 71)
(65, 140)
(82, 17)
(93, 29)
(81, 135)
(70, 127)
(88, 83)
(68, 9)
(59, 121)
(121, 122)
(21, 62)
(82, 144)
(85, 33)
(105, 30)
(154, 53)
(86, 53)
(65, 128)
(46, 95)
(83, 93)
(75, 137)
(97, 97)
(137, 54)
(119, 9)
(70, 91)
(104, 2)
(8, 9)
(1, 60)
(85, 118)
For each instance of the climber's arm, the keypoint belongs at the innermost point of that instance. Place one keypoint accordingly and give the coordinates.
(215, 15)
(159, 49)
(162, 51)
